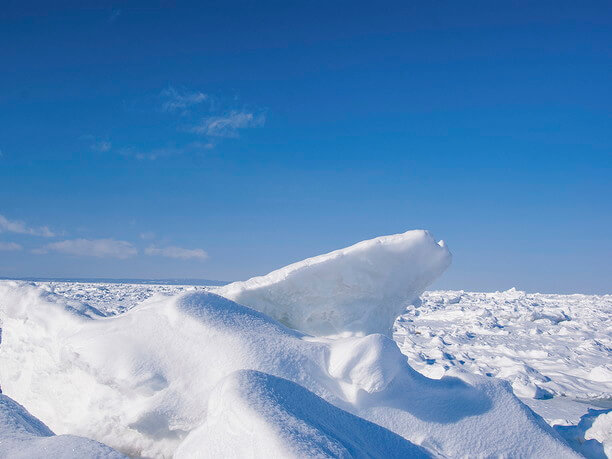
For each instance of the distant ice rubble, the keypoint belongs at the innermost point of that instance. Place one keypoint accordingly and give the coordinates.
(200, 375)
(545, 345)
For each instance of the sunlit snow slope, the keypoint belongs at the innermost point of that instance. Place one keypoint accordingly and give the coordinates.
(360, 289)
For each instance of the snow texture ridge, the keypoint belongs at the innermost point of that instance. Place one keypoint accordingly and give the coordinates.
(360, 289)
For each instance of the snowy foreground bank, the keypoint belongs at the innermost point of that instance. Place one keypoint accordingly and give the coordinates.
(301, 363)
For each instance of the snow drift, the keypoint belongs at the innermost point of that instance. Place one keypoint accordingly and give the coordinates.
(593, 434)
(263, 416)
(360, 289)
(150, 382)
(24, 436)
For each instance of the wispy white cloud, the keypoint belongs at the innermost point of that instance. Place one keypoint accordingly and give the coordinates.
(205, 120)
(162, 152)
(19, 227)
(201, 146)
(101, 248)
(179, 100)
(102, 146)
(152, 154)
(9, 246)
(147, 235)
(115, 13)
(176, 252)
(97, 144)
(229, 124)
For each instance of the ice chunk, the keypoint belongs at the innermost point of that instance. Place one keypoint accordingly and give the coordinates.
(360, 289)
(366, 363)
(253, 414)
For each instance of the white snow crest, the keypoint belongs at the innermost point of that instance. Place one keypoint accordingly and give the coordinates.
(360, 289)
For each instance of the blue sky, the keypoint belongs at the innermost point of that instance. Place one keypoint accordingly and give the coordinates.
(223, 140)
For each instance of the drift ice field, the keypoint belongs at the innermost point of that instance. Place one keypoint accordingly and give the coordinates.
(340, 355)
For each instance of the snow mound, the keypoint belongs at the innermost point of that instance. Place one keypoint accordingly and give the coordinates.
(138, 381)
(360, 289)
(141, 381)
(24, 436)
(253, 414)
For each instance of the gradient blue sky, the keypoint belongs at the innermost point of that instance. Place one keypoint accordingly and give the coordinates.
(224, 140)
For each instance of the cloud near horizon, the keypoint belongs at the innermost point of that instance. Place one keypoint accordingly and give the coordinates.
(100, 248)
(10, 246)
(147, 235)
(19, 227)
(176, 252)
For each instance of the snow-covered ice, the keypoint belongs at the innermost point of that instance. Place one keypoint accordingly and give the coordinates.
(140, 381)
(544, 345)
(155, 370)
(360, 289)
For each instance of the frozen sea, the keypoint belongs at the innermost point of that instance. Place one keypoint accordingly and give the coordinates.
(555, 350)
(340, 355)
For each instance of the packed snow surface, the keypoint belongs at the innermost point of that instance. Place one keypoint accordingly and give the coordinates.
(158, 371)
